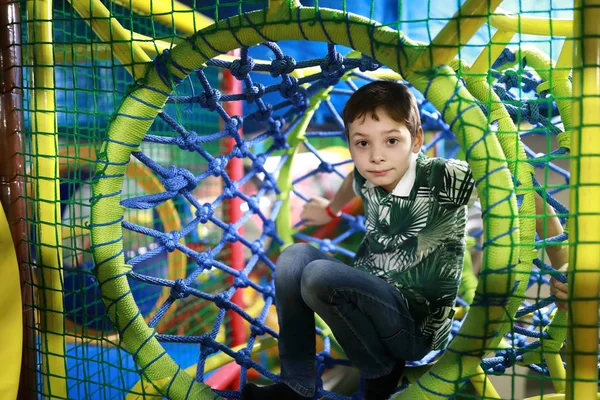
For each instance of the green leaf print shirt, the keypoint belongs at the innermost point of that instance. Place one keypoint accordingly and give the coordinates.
(415, 238)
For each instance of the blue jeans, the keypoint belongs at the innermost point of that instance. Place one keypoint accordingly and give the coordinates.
(368, 317)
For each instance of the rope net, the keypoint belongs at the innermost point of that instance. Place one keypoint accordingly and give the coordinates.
(180, 163)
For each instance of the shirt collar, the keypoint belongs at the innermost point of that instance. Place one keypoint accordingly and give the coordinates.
(406, 183)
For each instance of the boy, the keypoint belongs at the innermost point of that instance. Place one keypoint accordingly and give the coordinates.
(396, 303)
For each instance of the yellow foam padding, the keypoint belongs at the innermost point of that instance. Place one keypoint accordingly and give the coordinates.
(557, 372)
(558, 80)
(445, 46)
(129, 53)
(44, 140)
(468, 283)
(525, 24)
(170, 13)
(483, 386)
(491, 52)
(584, 236)
(11, 314)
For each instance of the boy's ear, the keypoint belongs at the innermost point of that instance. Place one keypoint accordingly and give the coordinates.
(418, 141)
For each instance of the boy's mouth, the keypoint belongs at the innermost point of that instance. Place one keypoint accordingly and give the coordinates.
(380, 172)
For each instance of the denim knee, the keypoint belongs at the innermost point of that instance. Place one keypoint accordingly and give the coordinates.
(296, 250)
(290, 265)
(316, 282)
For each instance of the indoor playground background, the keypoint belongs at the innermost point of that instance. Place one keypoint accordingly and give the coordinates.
(155, 157)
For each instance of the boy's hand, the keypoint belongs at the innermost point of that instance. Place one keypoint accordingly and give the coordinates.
(560, 290)
(314, 211)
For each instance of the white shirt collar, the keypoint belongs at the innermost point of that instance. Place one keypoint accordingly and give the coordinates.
(406, 183)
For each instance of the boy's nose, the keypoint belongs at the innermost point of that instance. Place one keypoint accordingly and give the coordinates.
(377, 158)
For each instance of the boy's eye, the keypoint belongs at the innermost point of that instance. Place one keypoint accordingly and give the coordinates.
(393, 141)
(362, 143)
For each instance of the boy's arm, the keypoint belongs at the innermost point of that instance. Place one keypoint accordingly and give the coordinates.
(559, 255)
(315, 212)
(344, 194)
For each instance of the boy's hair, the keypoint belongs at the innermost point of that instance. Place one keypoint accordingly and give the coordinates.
(395, 98)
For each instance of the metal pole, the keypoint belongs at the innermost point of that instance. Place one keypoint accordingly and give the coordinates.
(12, 177)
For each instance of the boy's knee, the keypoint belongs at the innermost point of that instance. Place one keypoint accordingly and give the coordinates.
(295, 251)
(290, 264)
(315, 281)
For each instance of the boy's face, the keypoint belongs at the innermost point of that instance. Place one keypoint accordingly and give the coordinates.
(382, 149)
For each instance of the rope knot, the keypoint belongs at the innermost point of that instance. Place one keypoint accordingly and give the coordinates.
(507, 56)
(220, 301)
(368, 64)
(258, 162)
(325, 167)
(268, 184)
(531, 112)
(254, 92)
(276, 124)
(300, 99)
(540, 319)
(269, 228)
(279, 141)
(204, 213)
(499, 368)
(289, 87)
(257, 248)
(204, 260)
(268, 291)
(509, 357)
(253, 204)
(264, 113)
(517, 341)
(241, 68)
(169, 240)
(242, 357)
(282, 66)
(230, 234)
(257, 330)
(510, 79)
(187, 142)
(531, 84)
(210, 100)
(241, 150)
(207, 345)
(179, 289)
(179, 179)
(326, 246)
(229, 192)
(233, 125)
(332, 67)
(241, 281)
(217, 165)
